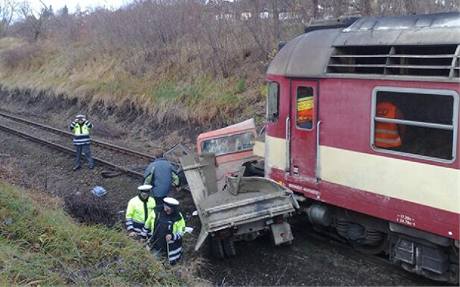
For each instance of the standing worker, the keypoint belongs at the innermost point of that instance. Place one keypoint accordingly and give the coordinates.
(166, 229)
(139, 209)
(388, 135)
(160, 175)
(81, 128)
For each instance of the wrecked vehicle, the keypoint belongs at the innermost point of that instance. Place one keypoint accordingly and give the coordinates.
(234, 146)
(231, 206)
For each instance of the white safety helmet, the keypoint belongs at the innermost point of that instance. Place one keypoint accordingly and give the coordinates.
(144, 188)
(172, 202)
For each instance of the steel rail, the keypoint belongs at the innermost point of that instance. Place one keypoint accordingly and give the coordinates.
(97, 142)
(69, 151)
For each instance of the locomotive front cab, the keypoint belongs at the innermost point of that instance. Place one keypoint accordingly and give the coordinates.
(363, 123)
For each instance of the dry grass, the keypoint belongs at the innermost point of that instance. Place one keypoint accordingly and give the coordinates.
(42, 245)
(7, 169)
(168, 93)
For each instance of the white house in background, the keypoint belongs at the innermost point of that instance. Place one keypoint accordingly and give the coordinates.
(224, 16)
(285, 16)
(245, 15)
(264, 15)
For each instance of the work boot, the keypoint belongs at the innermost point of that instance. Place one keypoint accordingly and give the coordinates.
(76, 168)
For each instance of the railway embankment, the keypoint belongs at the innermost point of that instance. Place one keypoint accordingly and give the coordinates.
(170, 95)
(125, 122)
(42, 245)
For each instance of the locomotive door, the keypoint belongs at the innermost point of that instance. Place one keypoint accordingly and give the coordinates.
(303, 119)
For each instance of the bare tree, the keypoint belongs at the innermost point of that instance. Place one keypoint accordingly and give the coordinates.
(276, 21)
(7, 11)
(186, 37)
(34, 24)
(410, 7)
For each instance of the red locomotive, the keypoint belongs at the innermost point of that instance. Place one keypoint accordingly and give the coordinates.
(363, 122)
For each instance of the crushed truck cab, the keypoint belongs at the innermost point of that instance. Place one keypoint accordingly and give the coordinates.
(233, 146)
(231, 206)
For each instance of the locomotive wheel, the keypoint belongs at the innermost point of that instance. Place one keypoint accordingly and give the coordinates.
(369, 249)
(229, 247)
(217, 248)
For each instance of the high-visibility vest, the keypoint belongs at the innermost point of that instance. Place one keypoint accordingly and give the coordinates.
(178, 227)
(387, 134)
(165, 224)
(137, 213)
(81, 129)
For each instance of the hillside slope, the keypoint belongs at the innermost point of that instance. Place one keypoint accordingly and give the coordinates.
(168, 94)
(41, 245)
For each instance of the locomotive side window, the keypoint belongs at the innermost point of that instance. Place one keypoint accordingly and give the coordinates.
(416, 122)
(273, 100)
(304, 108)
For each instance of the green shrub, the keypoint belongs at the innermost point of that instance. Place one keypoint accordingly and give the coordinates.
(240, 86)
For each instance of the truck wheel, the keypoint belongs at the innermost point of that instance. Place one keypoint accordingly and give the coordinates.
(217, 249)
(229, 247)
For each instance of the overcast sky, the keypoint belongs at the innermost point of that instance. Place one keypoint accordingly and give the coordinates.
(84, 4)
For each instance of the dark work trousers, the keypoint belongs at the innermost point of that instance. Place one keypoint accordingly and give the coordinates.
(158, 203)
(84, 148)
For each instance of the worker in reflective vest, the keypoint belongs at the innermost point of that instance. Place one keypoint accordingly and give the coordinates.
(166, 230)
(139, 209)
(81, 128)
(387, 134)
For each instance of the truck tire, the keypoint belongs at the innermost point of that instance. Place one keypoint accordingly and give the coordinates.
(217, 248)
(229, 247)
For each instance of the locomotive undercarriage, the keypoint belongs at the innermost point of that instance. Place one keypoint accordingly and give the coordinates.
(416, 251)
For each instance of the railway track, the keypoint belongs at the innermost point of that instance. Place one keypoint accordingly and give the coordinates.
(124, 160)
(69, 134)
(347, 250)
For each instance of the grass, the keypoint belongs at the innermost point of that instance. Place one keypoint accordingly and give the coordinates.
(171, 92)
(40, 244)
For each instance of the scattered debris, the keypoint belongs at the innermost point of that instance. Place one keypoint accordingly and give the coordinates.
(110, 174)
(99, 191)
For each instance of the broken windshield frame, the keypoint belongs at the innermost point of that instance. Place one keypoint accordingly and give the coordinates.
(228, 144)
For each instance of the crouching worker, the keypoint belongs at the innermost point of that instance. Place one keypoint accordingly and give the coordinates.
(138, 211)
(166, 230)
